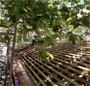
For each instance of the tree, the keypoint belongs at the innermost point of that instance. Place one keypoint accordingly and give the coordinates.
(46, 17)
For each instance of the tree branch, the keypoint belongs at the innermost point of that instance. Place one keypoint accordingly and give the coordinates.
(5, 4)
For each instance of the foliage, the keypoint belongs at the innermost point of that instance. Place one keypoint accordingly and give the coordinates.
(20, 44)
(44, 54)
(51, 18)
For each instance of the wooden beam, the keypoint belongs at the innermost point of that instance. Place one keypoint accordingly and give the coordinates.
(4, 33)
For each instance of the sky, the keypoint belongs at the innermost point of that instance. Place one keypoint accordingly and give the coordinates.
(81, 2)
(84, 10)
(69, 4)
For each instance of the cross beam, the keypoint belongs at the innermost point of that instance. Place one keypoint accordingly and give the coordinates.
(4, 33)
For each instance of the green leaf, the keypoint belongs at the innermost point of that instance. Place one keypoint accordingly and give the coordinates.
(16, 9)
(81, 38)
(7, 37)
(56, 22)
(79, 29)
(69, 19)
(18, 1)
(72, 38)
(44, 54)
(29, 27)
(49, 54)
(47, 30)
(59, 46)
(13, 18)
(88, 26)
(86, 20)
(88, 7)
(18, 17)
(1, 40)
(73, 12)
(48, 41)
(78, 0)
(55, 36)
(7, 1)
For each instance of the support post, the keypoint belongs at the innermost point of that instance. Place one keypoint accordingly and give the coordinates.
(12, 55)
(7, 63)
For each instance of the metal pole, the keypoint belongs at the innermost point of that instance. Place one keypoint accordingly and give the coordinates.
(12, 55)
